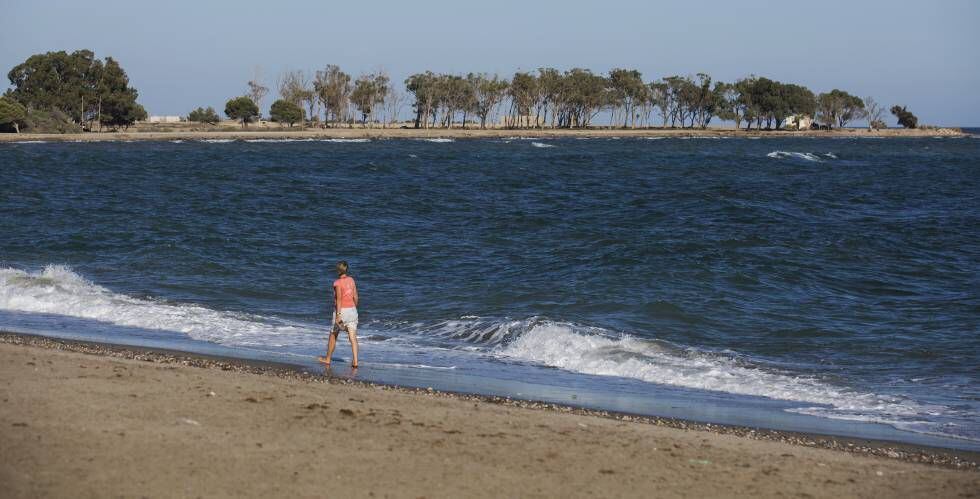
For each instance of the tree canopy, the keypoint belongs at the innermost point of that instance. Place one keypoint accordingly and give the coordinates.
(283, 111)
(12, 113)
(242, 109)
(79, 85)
(201, 115)
(905, 117)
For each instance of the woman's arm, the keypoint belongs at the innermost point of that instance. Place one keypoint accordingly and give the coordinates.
(336, 304)
(355, 294)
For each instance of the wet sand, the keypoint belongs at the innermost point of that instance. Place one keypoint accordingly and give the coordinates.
(81, 420)
(185, 132)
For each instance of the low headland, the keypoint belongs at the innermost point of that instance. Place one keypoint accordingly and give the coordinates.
(90, 419)
(274, 131)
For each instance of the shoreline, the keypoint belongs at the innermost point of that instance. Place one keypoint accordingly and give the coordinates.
(460, 133)
(898, 451)
(92, 421)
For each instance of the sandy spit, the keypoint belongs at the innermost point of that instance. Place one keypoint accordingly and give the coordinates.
(256, 132)
(90, 420)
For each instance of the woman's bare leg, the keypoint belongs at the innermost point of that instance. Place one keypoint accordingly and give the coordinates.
(331, 344)
(352, 335)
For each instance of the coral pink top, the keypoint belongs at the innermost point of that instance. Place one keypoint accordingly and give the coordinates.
(345, 288)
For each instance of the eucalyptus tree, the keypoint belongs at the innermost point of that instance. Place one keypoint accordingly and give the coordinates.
(423, 87)
(523, 92)
(257, 92)
(78, 85)
(12, 114)
(333, 88)
(662, 99)
(369, 93)
(905, 117)
(549, 93)
(874, 113)
(488, 92)
(628, 90)
(838, 108)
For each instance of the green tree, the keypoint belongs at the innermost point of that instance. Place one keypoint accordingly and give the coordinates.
(332, 87)
(12, 113)
(283, 111)
(905, 117)
(242, 109)
(628, 91)
(201, 115)
(488, 92)
(423, 87)
(838, 108)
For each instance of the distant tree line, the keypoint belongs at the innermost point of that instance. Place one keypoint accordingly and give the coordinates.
(63, 91)
(58, 90)
(552, 98)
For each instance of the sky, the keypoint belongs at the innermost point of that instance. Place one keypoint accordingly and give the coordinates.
(183, 54)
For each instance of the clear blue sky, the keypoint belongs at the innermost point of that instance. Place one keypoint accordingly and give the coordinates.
(183, 54)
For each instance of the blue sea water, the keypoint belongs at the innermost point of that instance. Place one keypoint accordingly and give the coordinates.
(797, 283)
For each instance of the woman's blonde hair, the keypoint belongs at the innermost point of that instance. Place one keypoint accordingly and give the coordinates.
(342, 267)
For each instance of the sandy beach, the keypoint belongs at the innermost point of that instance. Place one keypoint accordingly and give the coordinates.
(85, 421)
(186, 132)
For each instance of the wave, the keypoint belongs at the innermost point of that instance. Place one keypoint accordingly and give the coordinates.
(574, 348)
(807, 156)
(30, 142)
(341, 139)
(217, 141)
(178, 141)
(541, 144)
(440, 140)
(58, 290)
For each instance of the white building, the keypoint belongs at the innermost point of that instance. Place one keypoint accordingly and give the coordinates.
(164, 119)
(797, 122)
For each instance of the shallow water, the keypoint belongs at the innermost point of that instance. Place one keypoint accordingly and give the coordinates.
(834, 278)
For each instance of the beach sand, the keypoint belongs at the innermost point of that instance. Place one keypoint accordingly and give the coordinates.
(195, 132)
(138, 424)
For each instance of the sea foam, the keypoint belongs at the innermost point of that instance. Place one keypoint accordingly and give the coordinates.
(57, 289)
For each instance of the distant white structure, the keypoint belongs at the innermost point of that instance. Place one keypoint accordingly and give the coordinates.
(798, 122)
(164, 119)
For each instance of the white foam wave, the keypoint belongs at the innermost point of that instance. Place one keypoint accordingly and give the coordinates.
(341, 139)
(278, 140)
(178, 141)
(563, 346)
(217, 141)
(808, 156)
(541, 144)
(30, 142)
(59, 290)
(441, 140)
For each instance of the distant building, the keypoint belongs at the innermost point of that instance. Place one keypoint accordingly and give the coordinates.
(164, 119)
(798, 122)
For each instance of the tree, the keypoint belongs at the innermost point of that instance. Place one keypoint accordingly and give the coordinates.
(423, 87)
(905, 117)
(628, 92)
(209, 116)
(837, 108)
(77, 85)
(488, 92)
(332, 87)
(257, 92)
(874, 113)
(283, 111)
(12, 113)
(120, 110)
(523, 93)
(241, 109)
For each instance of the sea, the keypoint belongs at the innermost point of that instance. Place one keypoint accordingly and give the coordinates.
(827, 285)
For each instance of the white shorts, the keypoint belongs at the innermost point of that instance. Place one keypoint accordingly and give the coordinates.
(349, 318)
